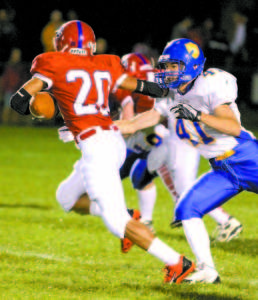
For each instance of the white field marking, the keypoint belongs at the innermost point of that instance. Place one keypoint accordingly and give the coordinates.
(47, 256)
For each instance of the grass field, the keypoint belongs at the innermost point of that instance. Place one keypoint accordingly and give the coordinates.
(47, 254)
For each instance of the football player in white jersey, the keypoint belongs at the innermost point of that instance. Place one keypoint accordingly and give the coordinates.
(202, 109)
(156, 142)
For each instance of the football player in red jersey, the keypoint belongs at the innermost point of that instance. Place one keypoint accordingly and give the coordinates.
(81, 83)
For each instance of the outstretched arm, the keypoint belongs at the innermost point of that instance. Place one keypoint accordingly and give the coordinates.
(141, 121)
(144, 87)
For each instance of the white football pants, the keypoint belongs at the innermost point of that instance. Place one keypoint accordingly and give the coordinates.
(98, 170)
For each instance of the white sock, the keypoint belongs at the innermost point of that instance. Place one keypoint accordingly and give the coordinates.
(219, 215)
(94, 209)
(147, 199)
(163, 252)
(198, 240)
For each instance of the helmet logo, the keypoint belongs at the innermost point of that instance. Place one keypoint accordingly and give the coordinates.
(192, 49)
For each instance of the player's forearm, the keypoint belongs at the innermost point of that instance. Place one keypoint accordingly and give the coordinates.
(228, 126)
(127, 111)
(34, 86)
(141, 121)
(125, 126)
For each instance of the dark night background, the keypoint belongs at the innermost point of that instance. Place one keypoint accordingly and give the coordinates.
(122, 23)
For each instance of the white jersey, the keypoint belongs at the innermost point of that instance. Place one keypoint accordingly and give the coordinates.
(211, 89)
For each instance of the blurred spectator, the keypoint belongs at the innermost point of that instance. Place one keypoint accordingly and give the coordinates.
(101, 46)
(236, 36)
(14, 75)
(48, 32)
(72, 15)
(212, 41)
(180, 30)
(8, 35)
(238, 61)
(201, 32)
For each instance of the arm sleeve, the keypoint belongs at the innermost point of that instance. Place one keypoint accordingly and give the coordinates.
(151, 89)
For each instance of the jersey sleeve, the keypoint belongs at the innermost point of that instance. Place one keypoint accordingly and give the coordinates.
(225, 89)
(43, 67)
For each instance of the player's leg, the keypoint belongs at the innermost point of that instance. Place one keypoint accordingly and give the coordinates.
(147, 199)
(210, 191)
(102, 181)
(71, 194)
(142, 181)
(186, 165)
(177, 266)
(135, 167)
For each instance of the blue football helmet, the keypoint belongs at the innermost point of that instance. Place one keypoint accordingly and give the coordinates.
(190, 59)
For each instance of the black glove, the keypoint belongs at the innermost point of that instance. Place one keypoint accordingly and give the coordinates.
(186, 111)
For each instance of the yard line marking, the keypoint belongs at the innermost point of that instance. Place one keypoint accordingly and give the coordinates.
(47, 256)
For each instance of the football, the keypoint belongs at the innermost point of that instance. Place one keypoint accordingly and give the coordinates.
(43, 106)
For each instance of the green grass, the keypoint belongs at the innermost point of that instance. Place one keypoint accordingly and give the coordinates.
(47, 254)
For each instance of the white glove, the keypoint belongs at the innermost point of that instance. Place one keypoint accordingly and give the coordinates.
(65, 134)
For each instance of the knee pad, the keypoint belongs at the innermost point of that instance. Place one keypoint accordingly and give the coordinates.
(140, 176)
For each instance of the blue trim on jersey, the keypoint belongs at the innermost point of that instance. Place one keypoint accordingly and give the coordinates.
(227, 178)
(80, 34)
(244, 136)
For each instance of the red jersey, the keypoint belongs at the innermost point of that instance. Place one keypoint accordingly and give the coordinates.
(81, 86)
(141, 102)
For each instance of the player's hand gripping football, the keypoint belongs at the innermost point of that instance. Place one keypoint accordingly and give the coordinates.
(186, 111)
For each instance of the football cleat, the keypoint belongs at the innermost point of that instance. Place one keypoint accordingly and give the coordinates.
(177, 273)
(204, 274)
(226, 232)
(127, 244)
